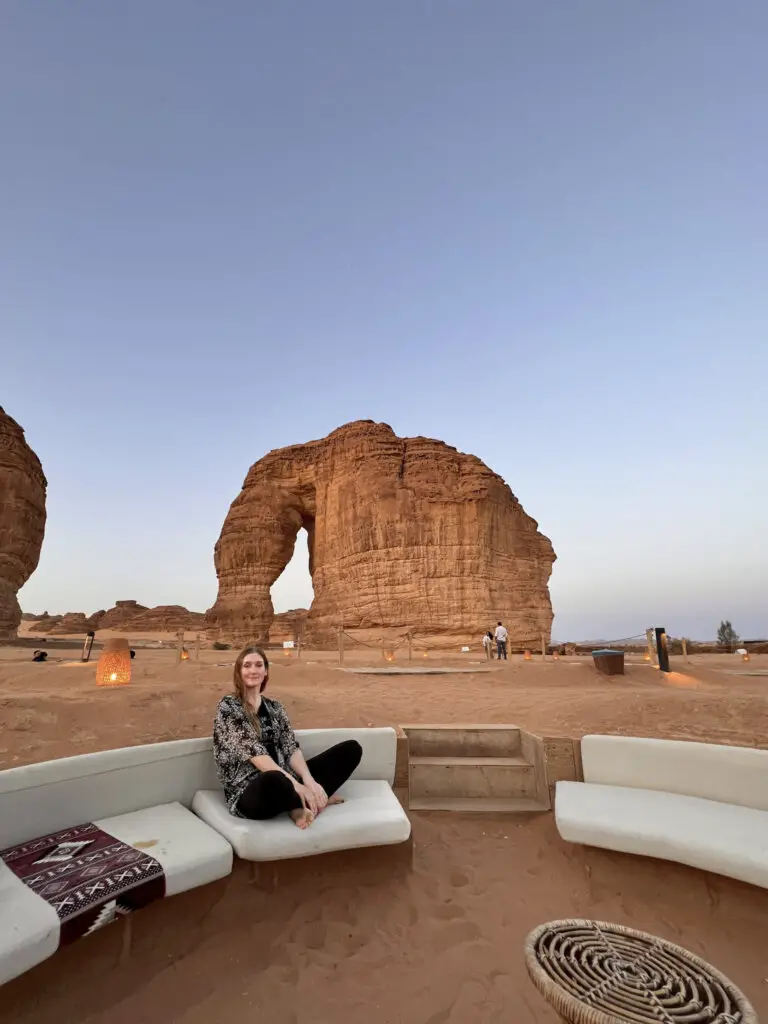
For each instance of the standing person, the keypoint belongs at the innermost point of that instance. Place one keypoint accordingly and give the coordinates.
(488, 645)
(258, 760)
(501, 641)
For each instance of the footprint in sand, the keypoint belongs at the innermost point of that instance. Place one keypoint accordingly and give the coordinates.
(452, 934)
(448, 912)
(459, 879)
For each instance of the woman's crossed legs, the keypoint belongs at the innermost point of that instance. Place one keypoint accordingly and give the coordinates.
(272, 793)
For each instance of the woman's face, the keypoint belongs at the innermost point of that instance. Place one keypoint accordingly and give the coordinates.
(253, 672)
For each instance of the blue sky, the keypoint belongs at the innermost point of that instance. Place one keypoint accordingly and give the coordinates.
(538, 232)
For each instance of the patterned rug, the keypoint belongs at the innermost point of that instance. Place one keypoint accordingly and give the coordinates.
(87, 876)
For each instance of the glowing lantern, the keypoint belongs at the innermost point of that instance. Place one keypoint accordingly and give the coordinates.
(556, 655)
(114, 665)
(745, 656)
(184, 656)
(646, 656)
(426, 654)
(527, 656)
(389, 655)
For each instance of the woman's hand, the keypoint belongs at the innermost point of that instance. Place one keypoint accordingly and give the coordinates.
(308, 797)
(316, 793)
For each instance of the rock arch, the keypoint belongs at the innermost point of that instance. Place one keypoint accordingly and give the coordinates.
(403, 533)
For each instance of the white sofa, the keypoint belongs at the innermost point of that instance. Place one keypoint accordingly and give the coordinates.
(370, 816)
(139, 795)
(696, 803)
(145, 797)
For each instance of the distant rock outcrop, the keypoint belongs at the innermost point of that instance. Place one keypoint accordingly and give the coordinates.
(126, 616)
(165, 618)
(289, 625)
(22, 519)
(121, 614)
(404, 533)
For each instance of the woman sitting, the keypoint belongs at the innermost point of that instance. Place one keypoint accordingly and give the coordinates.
(258, 759)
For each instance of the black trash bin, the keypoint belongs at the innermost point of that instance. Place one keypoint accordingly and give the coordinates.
(609, 663)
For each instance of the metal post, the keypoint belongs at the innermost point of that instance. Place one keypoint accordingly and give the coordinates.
(543, 648)
(661, 648)
(410, 646)
(197, 647)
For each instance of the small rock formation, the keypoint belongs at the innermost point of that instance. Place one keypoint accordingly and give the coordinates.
(22, 519)
(165, 618)
(288, 626)
(404, 533)
(45, 623)
(125, 617)
(121, 614)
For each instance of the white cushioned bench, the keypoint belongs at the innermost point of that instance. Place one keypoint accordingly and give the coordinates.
(370, 816)
(138, 795)
(699, 804)
(141, 796)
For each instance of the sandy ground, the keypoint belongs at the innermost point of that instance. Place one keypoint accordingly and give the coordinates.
(436, 941)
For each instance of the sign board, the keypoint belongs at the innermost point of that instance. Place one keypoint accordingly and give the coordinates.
(287, 644)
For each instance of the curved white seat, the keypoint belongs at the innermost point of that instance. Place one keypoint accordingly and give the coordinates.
(700, 804)
(723, 838)
(370, 816)
(142, 796)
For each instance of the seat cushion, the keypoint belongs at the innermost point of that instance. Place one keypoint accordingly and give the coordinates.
(718, 837)
(370, 816)
(189, 852)
(29, 927)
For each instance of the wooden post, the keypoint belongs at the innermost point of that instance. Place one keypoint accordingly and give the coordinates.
(341, 645)
(410, 646)
(685, 649)
(651, 645)
(383, 651)
(298, 648)
(197, 647)
(180, 645)
(543, 648)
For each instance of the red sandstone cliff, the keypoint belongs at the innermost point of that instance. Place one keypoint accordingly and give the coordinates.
(403, 533)
(22, 519)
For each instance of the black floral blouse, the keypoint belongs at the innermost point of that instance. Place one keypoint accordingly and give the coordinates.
(235, 742)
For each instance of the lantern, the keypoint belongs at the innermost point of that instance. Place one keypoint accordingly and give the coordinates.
(426, 654)
(556, 655)
(184, 656)
(114, 664)
(527, 656)
(745, 656)
(389, 655)
(646, 656)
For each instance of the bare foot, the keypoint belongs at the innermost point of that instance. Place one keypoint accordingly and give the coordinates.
(301, 817)
(331, 801)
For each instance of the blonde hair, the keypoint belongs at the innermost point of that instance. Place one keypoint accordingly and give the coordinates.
(239, 693)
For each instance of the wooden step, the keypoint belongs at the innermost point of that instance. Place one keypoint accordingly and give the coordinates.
(472, 805)
(471, 777)
(463, 740)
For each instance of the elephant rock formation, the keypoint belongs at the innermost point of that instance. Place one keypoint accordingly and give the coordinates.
(403, 534)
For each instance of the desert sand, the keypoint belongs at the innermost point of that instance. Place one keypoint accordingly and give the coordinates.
(376, 934)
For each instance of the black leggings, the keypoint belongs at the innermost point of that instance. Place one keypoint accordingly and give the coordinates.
(271, 793)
